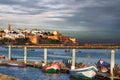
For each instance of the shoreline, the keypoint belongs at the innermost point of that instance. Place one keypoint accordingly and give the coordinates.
(7, 77)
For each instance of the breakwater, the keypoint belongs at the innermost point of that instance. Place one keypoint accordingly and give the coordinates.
(62, 46)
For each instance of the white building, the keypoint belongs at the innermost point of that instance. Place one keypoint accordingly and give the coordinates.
(13, 35)
(37, 32)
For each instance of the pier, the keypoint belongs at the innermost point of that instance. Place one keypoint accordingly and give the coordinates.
(60, 46)
(78, 46)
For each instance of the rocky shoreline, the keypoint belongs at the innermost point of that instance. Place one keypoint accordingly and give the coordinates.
(6, 77)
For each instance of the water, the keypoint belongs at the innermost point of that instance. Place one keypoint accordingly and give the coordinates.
(30, 73)
(88, 56)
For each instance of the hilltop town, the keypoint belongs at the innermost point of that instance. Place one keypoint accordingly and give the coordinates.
(34, 37)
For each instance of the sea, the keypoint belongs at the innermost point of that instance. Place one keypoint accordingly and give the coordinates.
(88, 56)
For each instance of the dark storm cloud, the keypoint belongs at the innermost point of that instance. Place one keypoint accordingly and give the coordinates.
(80, 15)
(98, 14)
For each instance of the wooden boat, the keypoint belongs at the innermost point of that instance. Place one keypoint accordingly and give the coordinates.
(2, 57)
(78, 51)
(67, 62)
(86, 73)
(117, 71)
(103, 66)
(51, 68)
(13, 59)
(67, 50)
(16, 64)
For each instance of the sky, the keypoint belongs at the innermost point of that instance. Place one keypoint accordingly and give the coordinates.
(83, 19)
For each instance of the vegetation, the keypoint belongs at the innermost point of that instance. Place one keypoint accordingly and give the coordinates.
(18, 41)
(49, 41)
(6, 41)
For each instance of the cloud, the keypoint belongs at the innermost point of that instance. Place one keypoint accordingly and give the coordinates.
(97, 14)
(44, 11)
(76, 15)
(19, 0)
(6, 9)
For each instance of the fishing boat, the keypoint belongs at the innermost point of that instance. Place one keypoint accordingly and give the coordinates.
(117, 71)
(87, 73)
(104, 71)
(13, 59)
(103, 66)
(78, 51)
(52, 68)
(2, 57)
(67, 50)
(16, 64)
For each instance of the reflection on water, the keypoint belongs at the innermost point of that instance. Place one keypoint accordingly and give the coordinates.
(53, 76)
(30, 73)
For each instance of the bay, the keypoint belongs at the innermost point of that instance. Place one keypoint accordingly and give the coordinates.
(88, 56)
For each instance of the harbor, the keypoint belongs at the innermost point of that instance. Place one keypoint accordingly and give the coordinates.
(59, 40)
(45, 57)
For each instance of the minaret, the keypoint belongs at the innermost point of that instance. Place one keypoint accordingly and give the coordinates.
(9, 28)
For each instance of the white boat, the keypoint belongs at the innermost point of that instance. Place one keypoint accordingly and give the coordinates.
(16, 64)
(84, 73)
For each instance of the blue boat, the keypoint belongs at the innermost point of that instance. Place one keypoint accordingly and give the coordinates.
(103, 66)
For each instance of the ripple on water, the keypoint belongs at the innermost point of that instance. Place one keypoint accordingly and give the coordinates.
(31, 74)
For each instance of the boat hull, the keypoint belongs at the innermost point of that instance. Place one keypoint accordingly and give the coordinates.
(53, 68)
(78, 77)
(87, 73)
(2, 57)
(16, 64)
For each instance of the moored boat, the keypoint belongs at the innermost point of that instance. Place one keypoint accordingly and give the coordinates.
(67, 50)
(51, 68)
(16, 64)
(86, 73)
(103, 66)
(2, 57)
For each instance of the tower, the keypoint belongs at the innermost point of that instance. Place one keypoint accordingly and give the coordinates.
(9, 28)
